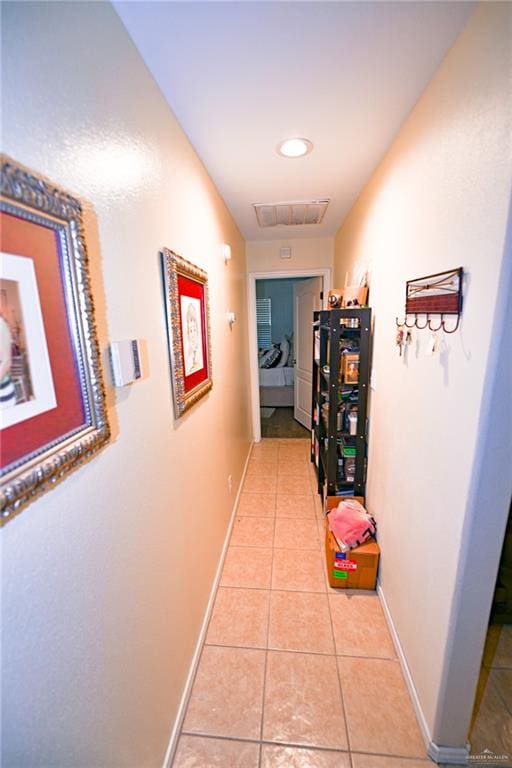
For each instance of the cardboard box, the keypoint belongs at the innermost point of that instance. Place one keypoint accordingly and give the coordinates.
(333, 501)
(356, 568)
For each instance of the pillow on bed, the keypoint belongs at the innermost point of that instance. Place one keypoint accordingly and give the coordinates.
(262, 354)
(272, 357)
(285, 353)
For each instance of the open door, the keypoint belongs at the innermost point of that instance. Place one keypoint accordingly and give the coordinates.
(306, 299)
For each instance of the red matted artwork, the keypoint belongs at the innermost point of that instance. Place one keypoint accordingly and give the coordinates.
(188, 330)
(52, 411)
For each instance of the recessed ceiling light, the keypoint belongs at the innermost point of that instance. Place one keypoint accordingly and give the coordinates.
(294, 147)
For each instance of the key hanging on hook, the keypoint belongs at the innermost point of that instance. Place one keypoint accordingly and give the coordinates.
(400, 339)
(432, 343)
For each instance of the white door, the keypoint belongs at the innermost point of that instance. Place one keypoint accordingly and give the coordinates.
(306, 299)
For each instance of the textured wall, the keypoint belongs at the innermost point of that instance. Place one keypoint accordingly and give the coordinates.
(280, 291)
(439, 200)
(106, 578)
(263, 256)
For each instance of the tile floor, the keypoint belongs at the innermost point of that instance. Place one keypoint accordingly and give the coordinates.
(491, 728)
(293, 674)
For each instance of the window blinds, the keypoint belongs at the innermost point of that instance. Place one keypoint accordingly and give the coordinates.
(264, 322)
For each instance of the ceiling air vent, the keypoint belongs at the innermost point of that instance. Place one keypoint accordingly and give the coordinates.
(290, 214)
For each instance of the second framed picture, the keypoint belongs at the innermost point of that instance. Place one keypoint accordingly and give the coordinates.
(188, 328)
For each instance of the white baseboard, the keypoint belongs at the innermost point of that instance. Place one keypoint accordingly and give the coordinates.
(173, 741)
(450, 755)
(440, 754)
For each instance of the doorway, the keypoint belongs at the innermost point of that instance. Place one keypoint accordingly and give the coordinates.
(280, 339)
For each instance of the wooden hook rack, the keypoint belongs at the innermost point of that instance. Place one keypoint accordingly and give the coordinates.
(439, 295)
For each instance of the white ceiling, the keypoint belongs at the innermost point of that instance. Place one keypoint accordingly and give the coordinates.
(241, 76)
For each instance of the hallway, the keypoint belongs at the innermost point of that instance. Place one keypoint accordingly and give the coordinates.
(167, 133)
(293, 673)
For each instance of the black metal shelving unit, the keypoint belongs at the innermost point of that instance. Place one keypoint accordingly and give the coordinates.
(341, 377)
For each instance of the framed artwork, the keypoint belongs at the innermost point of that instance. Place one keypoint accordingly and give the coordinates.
(188, 330)
(351, 368)
(52, 408)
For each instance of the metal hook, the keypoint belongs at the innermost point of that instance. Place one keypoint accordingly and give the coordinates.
(453, 329)
(428, 323)
(421, 327)
(441, 325)
(405, 323)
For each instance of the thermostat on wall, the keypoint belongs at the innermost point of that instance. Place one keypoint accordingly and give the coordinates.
(125, 359)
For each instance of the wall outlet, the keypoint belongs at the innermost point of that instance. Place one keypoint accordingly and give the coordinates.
(230, 483)
(373, 379)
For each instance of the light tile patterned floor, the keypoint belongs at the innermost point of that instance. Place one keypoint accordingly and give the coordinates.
(492, 717)
(293, 674)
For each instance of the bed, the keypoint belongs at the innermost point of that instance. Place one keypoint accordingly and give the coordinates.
(276, 386)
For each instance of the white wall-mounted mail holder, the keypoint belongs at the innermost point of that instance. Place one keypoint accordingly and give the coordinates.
(125, 361)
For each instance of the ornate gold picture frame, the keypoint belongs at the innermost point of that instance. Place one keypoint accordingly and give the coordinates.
(52, 414)
(188, 330)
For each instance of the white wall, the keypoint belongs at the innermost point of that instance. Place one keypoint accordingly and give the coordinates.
(485, 520)
(280, 291)
(439, 200)
(106, 577)
(263, 256)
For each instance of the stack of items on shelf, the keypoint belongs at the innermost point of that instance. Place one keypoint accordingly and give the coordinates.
(339, 429)
(347, 421)
(352, 554)
(349, 394)
(346, 418)
(347, 459)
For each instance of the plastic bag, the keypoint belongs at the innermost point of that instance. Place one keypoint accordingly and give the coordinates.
(351, 524)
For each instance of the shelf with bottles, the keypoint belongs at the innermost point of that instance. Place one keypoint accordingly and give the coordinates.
(346, 410)
(341, 380)
(347, 464)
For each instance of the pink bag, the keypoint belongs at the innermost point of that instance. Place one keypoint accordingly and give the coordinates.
(351, 524)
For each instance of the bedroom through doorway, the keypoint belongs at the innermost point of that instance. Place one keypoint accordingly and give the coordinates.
(284, 307)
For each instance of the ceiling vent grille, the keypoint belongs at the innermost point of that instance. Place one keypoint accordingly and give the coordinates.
(290, 214)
